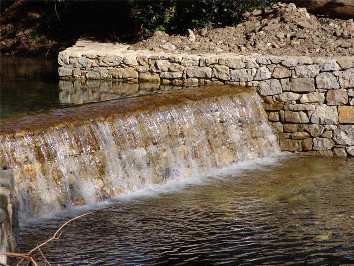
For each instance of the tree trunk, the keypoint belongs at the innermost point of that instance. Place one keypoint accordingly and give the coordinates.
(343, 9)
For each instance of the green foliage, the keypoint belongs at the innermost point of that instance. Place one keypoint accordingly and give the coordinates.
(176, 16)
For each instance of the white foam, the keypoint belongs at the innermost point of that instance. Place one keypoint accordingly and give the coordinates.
(171, 186)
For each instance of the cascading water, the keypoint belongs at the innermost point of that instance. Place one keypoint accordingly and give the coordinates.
(82, 155)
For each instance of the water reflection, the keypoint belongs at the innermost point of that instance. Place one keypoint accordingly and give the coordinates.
(298, 212)
(31, 85)
(88, 91)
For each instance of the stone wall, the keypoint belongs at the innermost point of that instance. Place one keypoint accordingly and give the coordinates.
(8, 215)
(309, 101)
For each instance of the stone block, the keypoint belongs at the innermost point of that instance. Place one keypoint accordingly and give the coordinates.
(281, 72)
(325, 115)
(263, 73)
(290, 145)
(307, 71)
(65, 72)
(307, 144)
(302, 85)
(315, 130)
(290, 63)
(129, 73)
(346, 78)
(171, 75)
(242, 75)
(269, 87)
(290, 128)
(344, 135)
(327, 134)
(300, 135)
(339, 152)
(337, 97)
(346, 114)
(327, 81)
(147, 76)
(130, 60)
(273, 116)
(273, 106)
(301, 107)
(162, 65)
(236, 63)
(312, 97)
(289, 96)
(199, 72)
(295, 117)
(345, 63)
(108, 60)
(350, 150)
(322, 144)
(221, 72)
(330, 65)
(278, 127)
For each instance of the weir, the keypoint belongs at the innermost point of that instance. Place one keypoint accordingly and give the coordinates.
(81, 155)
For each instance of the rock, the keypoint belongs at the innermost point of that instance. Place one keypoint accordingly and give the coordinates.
(344, 135)
(221, 72)
(175, 75)
(281, 72)
(65, 72)
(327, 81)
(314, 130)
(191, 36)
(199, 72)
(290, 128)
(350, 150)
(330, 65)
(129, 73)
(273, 116)
(269, 87)
(236, 63)
(295, 117)
(346, 114)
(325, 115)
(263, 73)
(322, 144)
(346, 78)
(337, 97)
(300, 135)
(242, 75)
(302, 85)
(313, 97)
(307, 144)
(147, 76)
(307, 71)
(339, 152)
(290, 145)
(304, 25)
(345, 63)
(289, 96)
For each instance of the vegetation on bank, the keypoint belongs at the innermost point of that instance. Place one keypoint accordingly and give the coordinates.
(42, 27)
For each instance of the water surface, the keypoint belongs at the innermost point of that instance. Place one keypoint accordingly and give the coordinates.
(297, 211)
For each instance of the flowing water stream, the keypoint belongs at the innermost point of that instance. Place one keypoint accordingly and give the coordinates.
(275, 211)
(197, 177)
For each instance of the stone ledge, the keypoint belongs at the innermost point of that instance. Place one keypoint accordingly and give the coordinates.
(305, 91)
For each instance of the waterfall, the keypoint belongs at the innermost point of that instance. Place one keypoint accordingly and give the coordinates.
(82, 155)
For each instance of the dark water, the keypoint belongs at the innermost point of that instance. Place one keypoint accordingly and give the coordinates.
(294, 211)
(28, 85)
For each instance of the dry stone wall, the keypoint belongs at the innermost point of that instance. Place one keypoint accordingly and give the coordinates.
(309, 101)
(8, 216)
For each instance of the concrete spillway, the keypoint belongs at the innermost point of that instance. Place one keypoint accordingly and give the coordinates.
(82, 155)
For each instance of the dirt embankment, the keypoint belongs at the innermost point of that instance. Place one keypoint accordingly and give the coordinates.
(282, 29)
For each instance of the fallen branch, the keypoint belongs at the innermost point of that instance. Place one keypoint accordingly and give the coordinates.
(28, 256)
